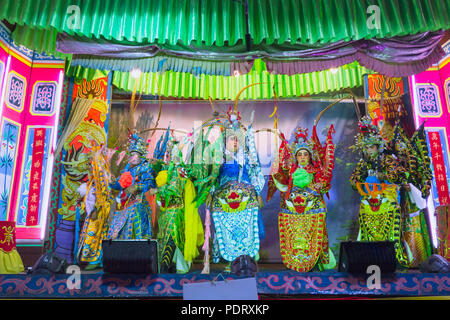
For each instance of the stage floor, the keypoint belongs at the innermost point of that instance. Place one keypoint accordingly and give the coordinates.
(273, 282)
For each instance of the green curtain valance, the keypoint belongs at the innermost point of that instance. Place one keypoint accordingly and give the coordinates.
(223, 23)
(187, 86)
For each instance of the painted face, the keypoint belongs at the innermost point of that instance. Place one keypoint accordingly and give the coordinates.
(372, 151)
(135, 158)
(232, 144)
(303, 157)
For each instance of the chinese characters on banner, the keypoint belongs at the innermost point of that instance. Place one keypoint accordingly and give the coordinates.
(439, 168)
(35, 177)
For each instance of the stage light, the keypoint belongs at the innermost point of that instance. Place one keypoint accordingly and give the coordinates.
(135, 73)
(236, 73)
(334, 70)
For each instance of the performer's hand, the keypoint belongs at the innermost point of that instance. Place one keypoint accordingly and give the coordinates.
(317, 186)
(260, 202)
(380, 176)
(208, 201)
(94, 214)
(131, 190)
(407, 187)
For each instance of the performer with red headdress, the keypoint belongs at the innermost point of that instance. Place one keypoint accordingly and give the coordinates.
(303, 175)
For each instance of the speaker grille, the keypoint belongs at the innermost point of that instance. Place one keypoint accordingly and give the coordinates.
(355, 257)
(130, 256)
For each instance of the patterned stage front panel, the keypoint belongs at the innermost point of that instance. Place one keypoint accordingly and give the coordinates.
(268, 283)
(43, 99)
(16, 91)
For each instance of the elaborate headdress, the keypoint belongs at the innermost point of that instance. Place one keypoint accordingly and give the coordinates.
(301, 142)
(369, 135)
(137, 144)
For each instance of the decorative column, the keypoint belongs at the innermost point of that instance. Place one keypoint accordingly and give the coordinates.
(430, 94)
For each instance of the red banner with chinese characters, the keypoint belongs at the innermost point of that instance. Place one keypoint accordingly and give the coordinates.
(7, 236)
(440, 175)
(34, 192)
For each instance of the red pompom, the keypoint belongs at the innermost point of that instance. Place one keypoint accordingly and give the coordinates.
(126, 180)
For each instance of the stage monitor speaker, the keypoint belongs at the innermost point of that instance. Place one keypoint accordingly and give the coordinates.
(355, 257)
(435, 264)
(130, 256)
(49, 263)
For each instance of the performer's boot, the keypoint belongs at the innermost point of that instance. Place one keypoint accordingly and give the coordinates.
(167, 265)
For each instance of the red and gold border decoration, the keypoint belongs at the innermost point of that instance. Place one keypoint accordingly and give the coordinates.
(35, 177)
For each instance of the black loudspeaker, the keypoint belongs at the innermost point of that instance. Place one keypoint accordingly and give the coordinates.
(435, 264)
(244, 266)
(355, 257)
(49, 263)
(130, 256)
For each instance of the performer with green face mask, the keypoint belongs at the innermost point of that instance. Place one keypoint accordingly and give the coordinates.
(378, 177)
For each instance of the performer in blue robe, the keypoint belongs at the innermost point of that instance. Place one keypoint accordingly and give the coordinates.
(132, 220)
(236, 198)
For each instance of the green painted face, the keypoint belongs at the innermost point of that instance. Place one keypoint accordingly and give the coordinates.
(372, 151)
(303, 157)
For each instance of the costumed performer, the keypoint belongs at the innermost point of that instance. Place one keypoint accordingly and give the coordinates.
(303, 175)
(378, 178)
(132, 219)
(235, 197)
(96, 204)
(180, 229)
(412, 153)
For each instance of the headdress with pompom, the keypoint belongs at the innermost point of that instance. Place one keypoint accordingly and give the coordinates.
(137, 144)
(369, 135)
(301, 141)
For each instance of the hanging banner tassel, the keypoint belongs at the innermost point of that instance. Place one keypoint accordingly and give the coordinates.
(205, 247)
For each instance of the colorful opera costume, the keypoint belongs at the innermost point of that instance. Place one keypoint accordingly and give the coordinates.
(412, 153)
(132, 219)
(96, 206)
(180, 229)
(229, 176)
(85, 129)
(378, 177)
(303, 175)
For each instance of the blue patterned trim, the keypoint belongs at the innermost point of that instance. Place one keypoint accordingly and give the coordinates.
(270, 283)
(237, 233)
